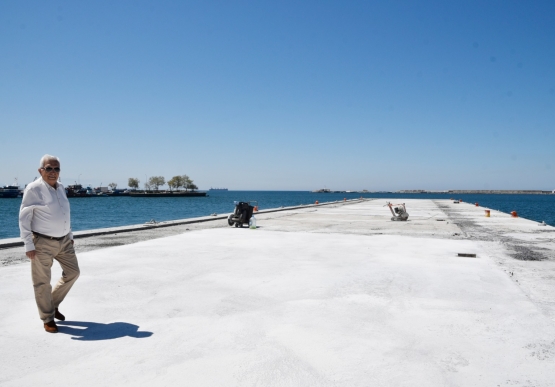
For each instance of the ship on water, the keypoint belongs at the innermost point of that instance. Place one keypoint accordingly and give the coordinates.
(9, 191)
(78, 191)
(217, 189)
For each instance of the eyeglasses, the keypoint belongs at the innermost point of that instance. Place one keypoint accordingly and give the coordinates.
(50, 169)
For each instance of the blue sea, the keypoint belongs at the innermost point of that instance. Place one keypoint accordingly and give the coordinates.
(99, 212)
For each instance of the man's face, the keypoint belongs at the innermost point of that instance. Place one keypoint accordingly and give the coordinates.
(48, 172)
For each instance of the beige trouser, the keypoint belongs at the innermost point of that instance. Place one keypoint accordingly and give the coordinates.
(48, 250)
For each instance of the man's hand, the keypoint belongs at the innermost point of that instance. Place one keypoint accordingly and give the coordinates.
(31, 254)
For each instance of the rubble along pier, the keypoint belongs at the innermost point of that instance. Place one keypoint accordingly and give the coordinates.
(333, 295)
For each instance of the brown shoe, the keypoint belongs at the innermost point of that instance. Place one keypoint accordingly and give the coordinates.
(59, 316)
(51, 327)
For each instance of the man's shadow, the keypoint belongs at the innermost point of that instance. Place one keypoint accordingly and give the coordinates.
(91, 331)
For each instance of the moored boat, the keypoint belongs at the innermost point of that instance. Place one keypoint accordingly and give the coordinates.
(9, 191)
(77, 191)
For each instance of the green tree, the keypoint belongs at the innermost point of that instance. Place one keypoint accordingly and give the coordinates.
(190, 185)
(175, 182)
(185, 181)
(133, 183)
(171, 184)
(113, 186)
(156, 182)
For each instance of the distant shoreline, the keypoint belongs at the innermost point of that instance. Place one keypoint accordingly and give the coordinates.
(457, 191)
(482, 191)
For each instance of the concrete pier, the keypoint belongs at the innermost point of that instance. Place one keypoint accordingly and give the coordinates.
(333, 295)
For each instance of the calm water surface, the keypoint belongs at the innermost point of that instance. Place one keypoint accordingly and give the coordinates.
(99, 212)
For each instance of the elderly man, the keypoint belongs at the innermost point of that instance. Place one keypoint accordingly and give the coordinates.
(46, 231)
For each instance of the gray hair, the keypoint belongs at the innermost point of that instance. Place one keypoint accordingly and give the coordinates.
(46, 158)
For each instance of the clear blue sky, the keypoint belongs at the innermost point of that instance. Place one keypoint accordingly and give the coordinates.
(377, 95)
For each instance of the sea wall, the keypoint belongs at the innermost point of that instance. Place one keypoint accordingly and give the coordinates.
(480, 191)
(493, 191)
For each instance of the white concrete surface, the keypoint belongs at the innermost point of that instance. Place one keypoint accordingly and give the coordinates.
(327, 297)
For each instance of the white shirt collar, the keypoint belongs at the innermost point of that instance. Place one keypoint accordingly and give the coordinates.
(48, 185)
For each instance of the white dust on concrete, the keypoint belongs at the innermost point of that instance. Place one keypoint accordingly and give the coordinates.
(286, 306)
